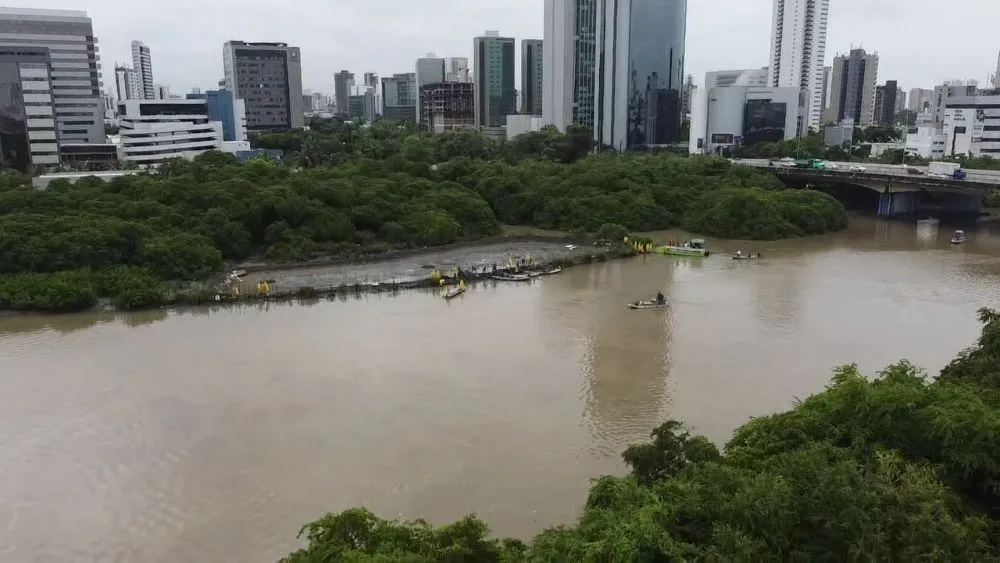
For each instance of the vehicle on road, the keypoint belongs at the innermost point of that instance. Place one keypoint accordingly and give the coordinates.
(857, 168)
(811, 163)
(946, 170)
(832, 166)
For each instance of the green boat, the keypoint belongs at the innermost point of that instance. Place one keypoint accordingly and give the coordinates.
(693, 247)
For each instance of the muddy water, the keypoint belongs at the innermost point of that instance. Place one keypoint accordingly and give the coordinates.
(213, 434)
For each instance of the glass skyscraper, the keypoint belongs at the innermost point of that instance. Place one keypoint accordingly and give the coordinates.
(640, 74)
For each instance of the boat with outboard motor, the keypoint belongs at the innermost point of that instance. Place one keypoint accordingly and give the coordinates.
(647, 304)
(511, 277)
(751, 256)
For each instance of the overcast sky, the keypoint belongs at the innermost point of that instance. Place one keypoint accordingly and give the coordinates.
(920, 42)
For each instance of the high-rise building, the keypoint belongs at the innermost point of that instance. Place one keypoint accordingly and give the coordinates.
(827, 90)
(127, 84)
(569, 67)
(429, 70)
(447, 106)
(996, 77)
(532, 76)
(456, 69)
(75, 66)
(399, 97)
(161, 92)
(375, 89)
(28, 135)
(853, 83)
(686, 95)
(920, 99)
(640, 54)
(496, 94)
(900, 99)
(798, 51)
(343, 85)
(885, 103)
(143, 65)
(268, 78)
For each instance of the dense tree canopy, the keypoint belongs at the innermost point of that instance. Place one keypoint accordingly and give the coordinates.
(347, 191)
(895, 468)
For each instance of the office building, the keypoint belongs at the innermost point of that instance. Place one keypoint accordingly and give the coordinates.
(925, 141)
(343, 86)
(447, 106)
(429, 70)
(268, 78)
(493, 60)
(154, 130)
(361, 104)
(798, 52)
(900, 99)
(28, 136)
(143, 65)
(972, 125)
(742, 115)
(885, 103)
(227, 110)
(532, 75)
(127, 84)
(756, 77)
(399, 97)
(853, 84)
(520, 124)
(569, 67)
(110, 108)
(640, 51)
(948, 90)
(161, 92)
(75, 66)
(920, 99)
(456, 69)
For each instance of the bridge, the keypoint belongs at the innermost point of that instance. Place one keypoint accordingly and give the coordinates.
(900, 190)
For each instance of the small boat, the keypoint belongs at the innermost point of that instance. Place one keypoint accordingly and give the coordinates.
(693, 247)
(958, 237)
(511, 277)
(647, 304)
(570, 247)
(751, 256)
(454, 292)
(238, 273)
(550, 272)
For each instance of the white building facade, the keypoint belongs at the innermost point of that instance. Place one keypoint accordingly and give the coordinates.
(155, 130)
(972, 126)
(925, 141)
(724, 117)
(756, 77)
(798, 52)
(127, 85)
(143, 65)
(28, 69)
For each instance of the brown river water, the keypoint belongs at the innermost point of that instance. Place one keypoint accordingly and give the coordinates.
(213, 434)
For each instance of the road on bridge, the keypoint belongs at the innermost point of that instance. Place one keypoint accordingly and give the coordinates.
(981, 176)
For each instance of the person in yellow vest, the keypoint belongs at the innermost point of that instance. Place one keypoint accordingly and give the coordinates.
(461, 284)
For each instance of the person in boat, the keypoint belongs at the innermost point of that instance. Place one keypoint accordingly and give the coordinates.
(660, 299)
(739, 254)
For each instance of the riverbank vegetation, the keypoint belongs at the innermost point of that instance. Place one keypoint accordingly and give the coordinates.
(350, 192)
(899, 467)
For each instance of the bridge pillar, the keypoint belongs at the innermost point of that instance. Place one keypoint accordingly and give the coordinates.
(899, 203)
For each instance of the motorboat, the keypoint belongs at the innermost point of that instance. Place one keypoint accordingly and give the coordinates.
(647, 304)
(693, 247)
(958, 237)
(511, 277)
(750, 256)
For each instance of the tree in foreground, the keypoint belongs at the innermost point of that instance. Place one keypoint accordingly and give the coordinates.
(899, 467)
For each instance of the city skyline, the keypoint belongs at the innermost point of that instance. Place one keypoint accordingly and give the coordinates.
(335, 38)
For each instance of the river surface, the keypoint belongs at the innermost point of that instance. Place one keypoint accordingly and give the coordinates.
(213, 434)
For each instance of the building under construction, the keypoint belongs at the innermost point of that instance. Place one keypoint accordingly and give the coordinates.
(446, 106)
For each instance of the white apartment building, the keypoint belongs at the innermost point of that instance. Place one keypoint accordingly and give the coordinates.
(75, 65)
(143, 65)
(154, 130)
(127, 84)
(798, 51)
